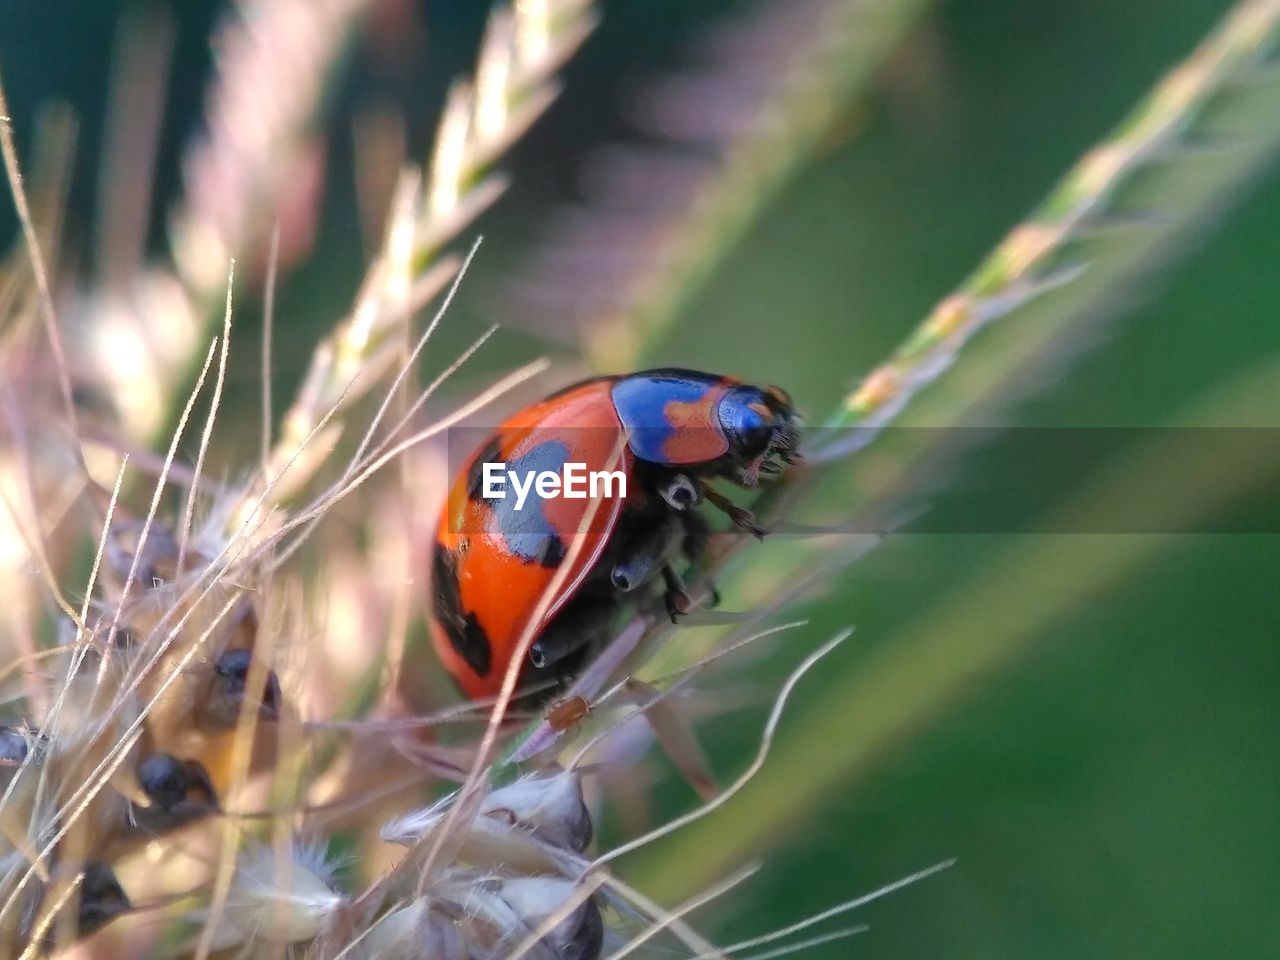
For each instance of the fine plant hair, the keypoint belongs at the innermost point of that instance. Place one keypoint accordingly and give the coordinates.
(207, 748)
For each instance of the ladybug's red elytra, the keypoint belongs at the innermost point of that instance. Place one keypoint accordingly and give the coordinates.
(666, 433)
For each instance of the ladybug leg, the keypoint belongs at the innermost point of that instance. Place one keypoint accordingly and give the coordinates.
(740, 516)
(644, 553)
(697, 534)
(580, 625)
(676, 597)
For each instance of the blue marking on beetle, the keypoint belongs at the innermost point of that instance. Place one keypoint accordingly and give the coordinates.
(641, 403)
(527, 533)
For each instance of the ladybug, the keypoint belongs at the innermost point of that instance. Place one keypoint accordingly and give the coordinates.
(654, 441)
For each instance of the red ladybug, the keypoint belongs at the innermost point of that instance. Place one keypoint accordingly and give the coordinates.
(653, 440)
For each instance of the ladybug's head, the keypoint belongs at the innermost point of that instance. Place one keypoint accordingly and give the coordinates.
(762, 428)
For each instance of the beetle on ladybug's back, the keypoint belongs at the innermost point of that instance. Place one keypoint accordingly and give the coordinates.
(535, 554)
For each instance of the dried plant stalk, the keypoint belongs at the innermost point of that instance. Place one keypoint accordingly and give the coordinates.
(258, 162)
(274, 60)
(1120, 209)
(525, 44)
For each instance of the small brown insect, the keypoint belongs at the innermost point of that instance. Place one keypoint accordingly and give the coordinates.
(567, 713)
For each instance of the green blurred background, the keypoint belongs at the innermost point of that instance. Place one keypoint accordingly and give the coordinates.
(1107, 779)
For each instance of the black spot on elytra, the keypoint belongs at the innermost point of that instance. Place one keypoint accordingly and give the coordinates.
(473, 646)
(490, 453)
(553, 554)
(465, 634)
